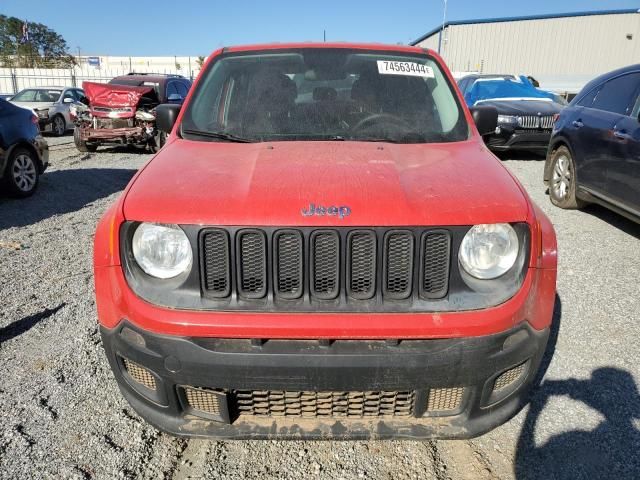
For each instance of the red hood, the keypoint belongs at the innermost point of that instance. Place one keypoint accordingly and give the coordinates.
(270, 183)
(109, 95)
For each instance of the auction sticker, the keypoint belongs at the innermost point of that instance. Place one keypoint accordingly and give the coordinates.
(412, 69)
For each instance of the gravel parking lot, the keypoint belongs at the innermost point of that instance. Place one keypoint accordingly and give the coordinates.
(62, 416)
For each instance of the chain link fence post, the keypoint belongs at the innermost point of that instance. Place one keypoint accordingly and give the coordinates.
(14, 81)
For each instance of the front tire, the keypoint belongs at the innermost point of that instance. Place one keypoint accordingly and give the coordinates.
(562, 183)
(21, 175)
(158, 142)
(58, 126)
(81, 145)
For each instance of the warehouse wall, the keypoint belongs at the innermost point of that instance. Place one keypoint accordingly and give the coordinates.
(572, 46)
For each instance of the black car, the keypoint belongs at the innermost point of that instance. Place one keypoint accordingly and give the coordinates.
(594, 154)
(168, 88)
(24, 153)
(525, 113)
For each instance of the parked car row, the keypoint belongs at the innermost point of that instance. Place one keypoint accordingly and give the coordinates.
(24, 153)
(51, 105)
(594, 153)
(592, 145)
(525, 113)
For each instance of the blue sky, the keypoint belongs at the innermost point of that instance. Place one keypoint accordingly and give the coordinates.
(196, 27)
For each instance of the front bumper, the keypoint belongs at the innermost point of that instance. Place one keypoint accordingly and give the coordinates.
(506, 139)
(461, 375)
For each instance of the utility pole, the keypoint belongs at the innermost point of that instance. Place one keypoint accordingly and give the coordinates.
(444, 21)
(78, 55)
(324, 35)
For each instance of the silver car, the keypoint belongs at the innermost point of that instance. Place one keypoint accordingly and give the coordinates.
(51, 105)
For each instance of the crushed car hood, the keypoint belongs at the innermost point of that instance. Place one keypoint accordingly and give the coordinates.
(108, 95)
(383, 184)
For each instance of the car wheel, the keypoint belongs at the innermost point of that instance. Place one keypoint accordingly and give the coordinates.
(562, 184)
(158, 142)
(59, 126)
(21, 175)
(81, 145)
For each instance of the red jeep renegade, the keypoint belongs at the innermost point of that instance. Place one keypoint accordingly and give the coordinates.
(325, 248)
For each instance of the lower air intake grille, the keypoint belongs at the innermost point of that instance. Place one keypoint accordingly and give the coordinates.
(140, 374)
(203, 400)
(323, 404)
(444, 399)
(508, 377)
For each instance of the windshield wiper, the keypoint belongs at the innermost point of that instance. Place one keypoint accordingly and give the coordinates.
(229, 137)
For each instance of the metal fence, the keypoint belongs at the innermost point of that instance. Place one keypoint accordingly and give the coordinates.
(12, 80)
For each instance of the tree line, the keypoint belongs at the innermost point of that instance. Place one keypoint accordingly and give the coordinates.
(41, 47)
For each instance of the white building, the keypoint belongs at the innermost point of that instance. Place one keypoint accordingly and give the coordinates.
(562, 51)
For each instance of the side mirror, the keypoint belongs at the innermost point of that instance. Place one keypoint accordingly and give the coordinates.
(68, 100)
(166, 115)
(485, 118)
(175, 98)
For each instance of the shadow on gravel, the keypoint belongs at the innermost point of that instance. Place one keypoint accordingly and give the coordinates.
(25, 324)
(614, 219)
(63, 191)
(608, 451)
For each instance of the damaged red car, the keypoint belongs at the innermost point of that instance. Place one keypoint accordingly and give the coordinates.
(122, 112)
(325, 248)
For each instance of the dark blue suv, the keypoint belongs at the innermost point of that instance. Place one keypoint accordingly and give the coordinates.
(594, 153)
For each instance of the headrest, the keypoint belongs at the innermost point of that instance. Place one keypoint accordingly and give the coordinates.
(273, 86)
(325, 94)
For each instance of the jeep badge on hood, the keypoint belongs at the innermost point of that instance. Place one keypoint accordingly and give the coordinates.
(321, 211)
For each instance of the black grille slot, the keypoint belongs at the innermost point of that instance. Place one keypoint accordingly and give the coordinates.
(436, 248)
(288, 262)
(252, 268)
(361, 264)
(217, 263)
(325, 264)
(398, 273)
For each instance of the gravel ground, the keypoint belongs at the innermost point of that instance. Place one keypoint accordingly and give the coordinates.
(62, 416)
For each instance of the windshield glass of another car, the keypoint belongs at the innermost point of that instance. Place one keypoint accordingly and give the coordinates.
(37, 95)
(491, 89)
(325, 94)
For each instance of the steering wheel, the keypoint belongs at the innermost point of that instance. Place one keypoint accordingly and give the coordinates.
(376, 118)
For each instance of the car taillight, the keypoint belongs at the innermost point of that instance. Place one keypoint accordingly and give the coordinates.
(34, 119)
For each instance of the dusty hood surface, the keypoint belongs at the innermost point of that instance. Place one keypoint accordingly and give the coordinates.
(382, 184)
(108, 95)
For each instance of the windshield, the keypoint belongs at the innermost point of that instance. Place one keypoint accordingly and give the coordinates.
(491, 89)
(324, 94)
(37, 95)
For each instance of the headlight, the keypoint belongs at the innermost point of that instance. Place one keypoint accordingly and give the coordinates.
(507, 120)
(488, 251)
(162, 251)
